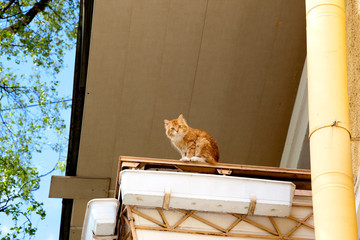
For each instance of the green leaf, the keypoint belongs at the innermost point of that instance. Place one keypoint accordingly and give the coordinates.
(30, 105)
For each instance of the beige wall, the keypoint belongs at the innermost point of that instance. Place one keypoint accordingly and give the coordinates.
(231, 67)
(353, 64)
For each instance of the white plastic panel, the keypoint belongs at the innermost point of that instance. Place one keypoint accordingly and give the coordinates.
(100, 218)
(205, 192)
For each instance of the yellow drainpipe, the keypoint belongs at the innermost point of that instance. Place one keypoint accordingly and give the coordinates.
(332, 184)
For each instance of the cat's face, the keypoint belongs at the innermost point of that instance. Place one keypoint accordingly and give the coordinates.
(176, 128)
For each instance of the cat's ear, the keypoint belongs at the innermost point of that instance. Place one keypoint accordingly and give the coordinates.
(166, 122)
(181, 117)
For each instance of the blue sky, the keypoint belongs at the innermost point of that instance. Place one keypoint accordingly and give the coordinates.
(48, 229)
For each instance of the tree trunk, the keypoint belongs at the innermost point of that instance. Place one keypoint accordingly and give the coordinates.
(26, 19)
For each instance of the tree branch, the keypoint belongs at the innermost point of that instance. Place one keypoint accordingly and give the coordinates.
(5, 204)
(26, 19)
(10, 16)
(7, 6)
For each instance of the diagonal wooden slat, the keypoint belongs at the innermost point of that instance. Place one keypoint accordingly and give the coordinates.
(187, 215)
(217, 230)
(148, 218)
(126, 236)
(132, 224)
(236, 222)
(121, 229)
(226, 232)
(300, 221)
(299, 224)
(126, 221)
(255, 224)
(123, 210)
(275, 226)
(204, 221)
(163, 217)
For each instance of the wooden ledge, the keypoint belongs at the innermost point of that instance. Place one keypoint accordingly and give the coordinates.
(72, 187)
(300, 177)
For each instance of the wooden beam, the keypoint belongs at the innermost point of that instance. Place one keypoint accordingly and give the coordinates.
(300, 177)
(72, 187)
(249, 170)
(213, 233)
(132, 224)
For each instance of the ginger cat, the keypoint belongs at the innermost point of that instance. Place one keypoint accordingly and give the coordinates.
(193, 144)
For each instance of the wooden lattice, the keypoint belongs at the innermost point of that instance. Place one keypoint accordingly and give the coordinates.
(273, 229)
(129, 225)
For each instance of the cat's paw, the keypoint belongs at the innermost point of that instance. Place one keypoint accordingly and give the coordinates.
(197, 159)
(185, 159)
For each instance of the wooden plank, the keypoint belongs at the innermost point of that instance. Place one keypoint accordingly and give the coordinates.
(126, 235)
(203, 220)
(300, 177)
(300, 222)
(259, 226)
(236, 222)
(126, 221)
(181, 230)
(249, 169)
(227, 233)
(182, 219)
(275, 226)
(148, 218)
(253, 223)
(117, 183)
(130, 165)
(78, 187)
(132, 225)
(163, 217)
(304, 193)
(302, 205)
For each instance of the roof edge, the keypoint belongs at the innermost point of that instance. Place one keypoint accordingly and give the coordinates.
(78, 98)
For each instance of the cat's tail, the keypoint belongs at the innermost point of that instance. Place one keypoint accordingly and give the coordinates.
(212, 160)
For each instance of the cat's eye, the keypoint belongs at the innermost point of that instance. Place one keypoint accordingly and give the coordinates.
(172, 128)
(179, 126)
